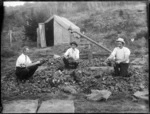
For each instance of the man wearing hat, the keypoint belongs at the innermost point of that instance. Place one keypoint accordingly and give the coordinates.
(71, 56)
(121, 56)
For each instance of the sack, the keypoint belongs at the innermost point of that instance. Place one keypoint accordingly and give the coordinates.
(69, 89)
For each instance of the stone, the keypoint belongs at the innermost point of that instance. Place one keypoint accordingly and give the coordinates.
(20, 106)
(142, 95)
(69, 89)
(95, 96)
(41, 68)
(139, 61)
(57, 106)
(106, 94)
(98, 95)
(56, 56)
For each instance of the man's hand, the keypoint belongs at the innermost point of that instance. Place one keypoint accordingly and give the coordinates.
(77, 60)
(43, 61)
(107, 60)
(66, 56)
(118, 61)
(70, 59)
(22, 65)
(38, 62)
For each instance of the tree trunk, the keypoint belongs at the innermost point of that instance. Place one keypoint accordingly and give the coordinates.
(10, 37)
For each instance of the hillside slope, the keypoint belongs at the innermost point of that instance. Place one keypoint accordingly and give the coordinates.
(105, 26)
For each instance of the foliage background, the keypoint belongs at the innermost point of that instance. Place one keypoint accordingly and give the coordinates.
(102, 21)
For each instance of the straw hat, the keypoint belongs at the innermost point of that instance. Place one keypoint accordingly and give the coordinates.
(120, 40)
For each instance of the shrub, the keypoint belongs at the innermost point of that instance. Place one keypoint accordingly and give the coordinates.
(8, 52)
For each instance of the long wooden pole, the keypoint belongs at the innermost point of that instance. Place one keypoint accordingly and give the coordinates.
(91, 40)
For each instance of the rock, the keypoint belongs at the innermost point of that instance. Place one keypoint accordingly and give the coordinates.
(20, 106)
(97, 95)
(57, 106)
(94, 91)
(94, 96)
(41, 68)
(106, 94)
(56, 56)
(68, 89)
(141, 61)
(142, 94)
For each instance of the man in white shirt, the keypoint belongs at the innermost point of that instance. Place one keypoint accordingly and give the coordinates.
(25, 68)
(71, 56)
(121, 56)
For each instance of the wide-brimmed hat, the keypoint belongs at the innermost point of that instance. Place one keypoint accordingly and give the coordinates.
(74, 43)
(120, 40)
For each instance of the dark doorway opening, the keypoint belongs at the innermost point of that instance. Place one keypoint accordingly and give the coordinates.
(49, 33)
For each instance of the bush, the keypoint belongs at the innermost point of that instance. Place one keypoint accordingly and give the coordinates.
(7, 52)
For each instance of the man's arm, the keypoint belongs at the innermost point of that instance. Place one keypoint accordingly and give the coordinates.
(29, 60)
(32, 64)
(112, 55)
(66, 54)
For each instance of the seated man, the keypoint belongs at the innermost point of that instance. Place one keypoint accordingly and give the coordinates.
(24, 66)
(71, 56)
(121, 57)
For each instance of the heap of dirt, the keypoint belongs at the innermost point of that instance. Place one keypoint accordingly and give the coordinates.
(82, 79)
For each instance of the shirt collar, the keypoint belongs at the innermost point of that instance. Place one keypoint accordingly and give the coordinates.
(23, 54)
(73, 49)
(120, 48)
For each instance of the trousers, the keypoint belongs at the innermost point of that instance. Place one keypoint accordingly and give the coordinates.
(25, 73)
(121, 69)
(70, 64)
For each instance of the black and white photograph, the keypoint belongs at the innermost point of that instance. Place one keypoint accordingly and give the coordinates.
(75, 57)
